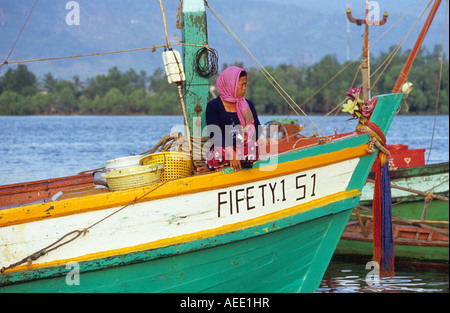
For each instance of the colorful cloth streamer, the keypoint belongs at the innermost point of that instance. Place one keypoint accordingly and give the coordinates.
(383, 240)
(383, 249)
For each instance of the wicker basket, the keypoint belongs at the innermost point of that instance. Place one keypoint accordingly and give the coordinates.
(176, 164)
(133, 177)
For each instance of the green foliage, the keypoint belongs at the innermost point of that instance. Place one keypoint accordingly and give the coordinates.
(312, 87)
(20, 80)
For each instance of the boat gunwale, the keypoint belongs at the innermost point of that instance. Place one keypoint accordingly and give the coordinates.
(347, 235)
(416, 171)
(305, 158)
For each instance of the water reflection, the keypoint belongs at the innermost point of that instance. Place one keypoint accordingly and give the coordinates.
(350, 277)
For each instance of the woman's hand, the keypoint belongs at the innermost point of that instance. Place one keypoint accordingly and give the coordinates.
(202, 169)
(235, 162)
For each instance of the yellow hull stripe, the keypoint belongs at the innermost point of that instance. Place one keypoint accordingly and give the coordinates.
(340, 196)
(188, 185)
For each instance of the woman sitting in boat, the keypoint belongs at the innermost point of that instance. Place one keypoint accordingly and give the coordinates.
(232, 122)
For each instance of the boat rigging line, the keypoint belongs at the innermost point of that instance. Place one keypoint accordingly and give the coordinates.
(394, 52)
(384, 65)
(165, 25)
(390, 57)
(153, 48)
(285, 95)
(18, 36)
(439, 81)
(266, 74)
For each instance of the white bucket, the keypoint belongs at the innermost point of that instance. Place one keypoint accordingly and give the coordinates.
(124, 162)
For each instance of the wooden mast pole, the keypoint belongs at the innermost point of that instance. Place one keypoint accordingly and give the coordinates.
(365, 64)
(197, 88)
(404, 73)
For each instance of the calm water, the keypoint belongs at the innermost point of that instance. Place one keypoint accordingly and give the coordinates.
(343, 276)
(39, 147)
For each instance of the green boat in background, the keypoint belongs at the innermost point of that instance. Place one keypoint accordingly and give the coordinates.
(420, 212)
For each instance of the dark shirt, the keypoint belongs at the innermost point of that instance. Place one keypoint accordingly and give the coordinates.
(217, 115)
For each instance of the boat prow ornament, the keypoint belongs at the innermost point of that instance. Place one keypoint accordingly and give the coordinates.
(383, 251)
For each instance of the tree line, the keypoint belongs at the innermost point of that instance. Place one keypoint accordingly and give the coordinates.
(121, 93)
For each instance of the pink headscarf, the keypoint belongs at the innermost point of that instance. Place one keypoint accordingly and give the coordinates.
(227, 84)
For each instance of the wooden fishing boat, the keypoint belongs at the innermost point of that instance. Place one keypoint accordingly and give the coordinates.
(271, 228)
(402, 157)
(42, 190)
(419, 244)
(222, 231)
(420, 203)
(420, 215)
(413, 184)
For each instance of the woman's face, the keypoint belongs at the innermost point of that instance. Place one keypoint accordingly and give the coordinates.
(242, 87)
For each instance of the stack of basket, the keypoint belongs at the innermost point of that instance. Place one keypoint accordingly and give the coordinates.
(126, 173)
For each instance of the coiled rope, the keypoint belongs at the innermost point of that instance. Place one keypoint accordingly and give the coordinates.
(209, 58)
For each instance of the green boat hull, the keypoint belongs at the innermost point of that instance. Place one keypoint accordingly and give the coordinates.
(408, 206)
(436, 213)
(296, 250)
(404, 253)
(422, 178)
(411, 251)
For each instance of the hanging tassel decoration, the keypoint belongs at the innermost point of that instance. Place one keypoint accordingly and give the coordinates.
(387, 239)
(383, 240)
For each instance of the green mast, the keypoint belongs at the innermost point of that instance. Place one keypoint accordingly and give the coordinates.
(196, 87)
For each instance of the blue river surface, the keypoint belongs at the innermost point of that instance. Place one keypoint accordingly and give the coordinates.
(40, 147)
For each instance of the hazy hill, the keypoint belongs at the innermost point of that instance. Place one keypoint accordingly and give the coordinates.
(276, 31)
